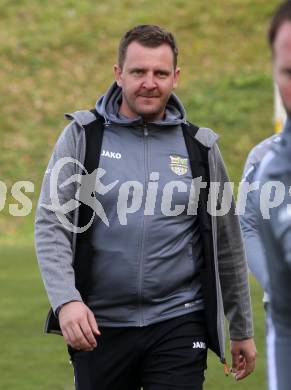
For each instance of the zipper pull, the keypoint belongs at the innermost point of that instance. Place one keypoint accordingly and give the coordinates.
(106, 123)
(145, 130)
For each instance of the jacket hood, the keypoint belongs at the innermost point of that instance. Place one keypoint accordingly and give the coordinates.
(108, 106)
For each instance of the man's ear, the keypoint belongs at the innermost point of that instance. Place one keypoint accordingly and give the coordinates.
(117, 73)
(176, 77)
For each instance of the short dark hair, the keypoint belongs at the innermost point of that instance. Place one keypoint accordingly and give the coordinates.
(282, 14)
(148, 35)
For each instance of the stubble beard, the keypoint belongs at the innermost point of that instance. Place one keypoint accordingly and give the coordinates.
(155, 113)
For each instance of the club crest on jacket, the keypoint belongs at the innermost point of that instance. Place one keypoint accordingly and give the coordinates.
(179, 165)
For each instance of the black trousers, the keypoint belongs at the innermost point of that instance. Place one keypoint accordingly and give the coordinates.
(169, 355)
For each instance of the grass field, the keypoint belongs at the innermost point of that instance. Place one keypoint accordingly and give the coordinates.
(56, 57)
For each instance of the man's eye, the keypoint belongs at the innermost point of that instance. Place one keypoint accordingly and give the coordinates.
(162, 74)
(137, 72)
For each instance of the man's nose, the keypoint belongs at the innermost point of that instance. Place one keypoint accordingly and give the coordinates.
(149, 81)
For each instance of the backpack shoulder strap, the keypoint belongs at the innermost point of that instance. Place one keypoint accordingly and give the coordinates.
(198, 157)
(83, 252)
(198, 153)
(94, 135)
(82, 261)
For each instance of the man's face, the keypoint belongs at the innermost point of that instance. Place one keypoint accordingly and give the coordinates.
(282, 64)
(147, 79)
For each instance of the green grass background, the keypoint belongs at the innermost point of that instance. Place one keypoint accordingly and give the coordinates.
(56, 57)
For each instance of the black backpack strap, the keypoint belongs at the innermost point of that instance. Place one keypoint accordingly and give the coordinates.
(83, 252)
(198, 156)
(94, 136)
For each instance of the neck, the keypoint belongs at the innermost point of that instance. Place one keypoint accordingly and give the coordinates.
(125, 111)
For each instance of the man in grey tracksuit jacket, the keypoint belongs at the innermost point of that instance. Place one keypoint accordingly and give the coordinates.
(273, 209)
(275, 234)
(147, 252)
(255, 252)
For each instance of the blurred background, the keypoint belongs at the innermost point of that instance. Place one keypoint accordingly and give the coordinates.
(57, 57)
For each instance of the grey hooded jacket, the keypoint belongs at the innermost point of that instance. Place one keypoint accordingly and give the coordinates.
(145, 266)
(275, 232)
(255, 251)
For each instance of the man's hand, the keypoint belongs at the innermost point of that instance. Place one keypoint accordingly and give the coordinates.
(78, 326)
(243, 357)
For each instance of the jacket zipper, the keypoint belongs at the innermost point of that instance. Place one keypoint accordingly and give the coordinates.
(145, 137)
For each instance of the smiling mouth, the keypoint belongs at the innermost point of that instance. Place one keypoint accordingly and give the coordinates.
(148, 97)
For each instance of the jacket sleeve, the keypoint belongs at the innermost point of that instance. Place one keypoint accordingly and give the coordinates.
(54, 240)
(232, 266)
(249, 221)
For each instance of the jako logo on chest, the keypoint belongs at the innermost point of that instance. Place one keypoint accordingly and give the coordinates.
(107, 153)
